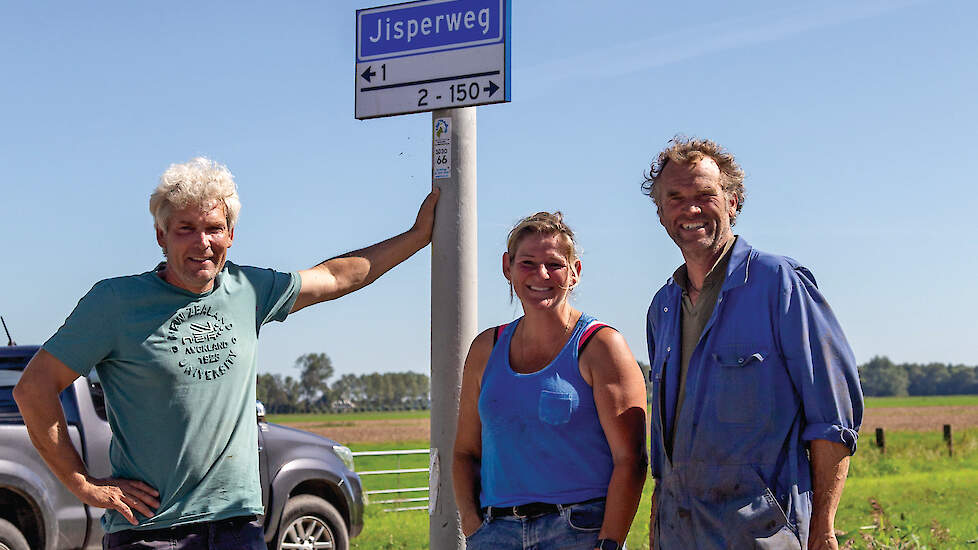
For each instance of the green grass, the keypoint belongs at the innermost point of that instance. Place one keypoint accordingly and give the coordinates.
(389, 446)
(921, 401)
(934, 509)
(393, 530)
(912, 452)
(393, 462)
(913, 497)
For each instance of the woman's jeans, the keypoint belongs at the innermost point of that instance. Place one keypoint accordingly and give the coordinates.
(574, 527)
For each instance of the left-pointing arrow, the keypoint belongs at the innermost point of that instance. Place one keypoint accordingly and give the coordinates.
(367, 74)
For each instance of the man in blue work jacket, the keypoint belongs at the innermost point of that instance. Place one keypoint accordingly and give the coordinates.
(756, 401)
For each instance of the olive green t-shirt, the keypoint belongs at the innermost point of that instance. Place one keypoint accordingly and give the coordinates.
(178, 371)
(695, 316)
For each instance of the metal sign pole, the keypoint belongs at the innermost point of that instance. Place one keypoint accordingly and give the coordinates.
(454, 304)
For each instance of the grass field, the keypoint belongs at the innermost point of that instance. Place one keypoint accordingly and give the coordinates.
(935, 509)
(393, 530)
(922, 401)
(912, 497)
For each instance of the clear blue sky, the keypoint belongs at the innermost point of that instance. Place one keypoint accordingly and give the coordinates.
(855, 122)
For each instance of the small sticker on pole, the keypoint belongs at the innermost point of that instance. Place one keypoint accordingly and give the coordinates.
(441, 148)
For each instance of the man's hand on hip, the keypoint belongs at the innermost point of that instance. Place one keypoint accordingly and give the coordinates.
(126, 496)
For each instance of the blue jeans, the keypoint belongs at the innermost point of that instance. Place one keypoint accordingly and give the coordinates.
(241, 533)
(575, 527)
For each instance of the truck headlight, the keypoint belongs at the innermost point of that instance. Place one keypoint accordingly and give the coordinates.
(345, 454)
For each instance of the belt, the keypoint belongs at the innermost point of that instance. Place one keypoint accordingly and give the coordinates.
(530, 509)
(128, 536)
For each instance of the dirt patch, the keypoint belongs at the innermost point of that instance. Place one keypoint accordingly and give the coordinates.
(920, 419)
(370, 431)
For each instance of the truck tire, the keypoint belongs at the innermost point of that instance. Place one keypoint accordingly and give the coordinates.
(10, 537)
(310, 522)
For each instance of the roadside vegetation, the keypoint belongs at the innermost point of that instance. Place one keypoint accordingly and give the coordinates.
(315, 388)
(913, 496)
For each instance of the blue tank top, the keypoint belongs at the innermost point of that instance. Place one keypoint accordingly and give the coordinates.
(541, 438)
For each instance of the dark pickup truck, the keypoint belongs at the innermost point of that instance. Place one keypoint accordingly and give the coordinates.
(312, 497)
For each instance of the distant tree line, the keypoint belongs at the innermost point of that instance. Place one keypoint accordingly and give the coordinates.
(881, 377)
(312, 391)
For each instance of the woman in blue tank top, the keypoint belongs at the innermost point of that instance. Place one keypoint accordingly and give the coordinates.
(550, 448)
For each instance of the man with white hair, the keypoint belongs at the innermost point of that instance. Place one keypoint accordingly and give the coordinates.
(756, 403)
(175, 349)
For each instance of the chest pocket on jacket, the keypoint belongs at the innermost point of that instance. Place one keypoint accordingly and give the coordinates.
(743, 390)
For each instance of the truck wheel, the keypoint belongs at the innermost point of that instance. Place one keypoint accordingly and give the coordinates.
(309, 522)
(10, 537)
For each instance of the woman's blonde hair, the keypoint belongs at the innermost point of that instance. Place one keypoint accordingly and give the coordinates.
(199, 182)
(543, 223)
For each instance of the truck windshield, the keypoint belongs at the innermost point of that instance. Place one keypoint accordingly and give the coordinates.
(8, 409)
(10, 370)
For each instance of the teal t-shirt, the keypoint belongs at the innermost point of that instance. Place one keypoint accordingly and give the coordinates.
(178, 371)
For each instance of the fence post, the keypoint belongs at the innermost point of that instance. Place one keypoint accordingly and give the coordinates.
(397, 479)
(881, 440)
(949, 439)
(398, 504)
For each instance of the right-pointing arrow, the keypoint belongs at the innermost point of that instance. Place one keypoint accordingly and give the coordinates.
(491, 88)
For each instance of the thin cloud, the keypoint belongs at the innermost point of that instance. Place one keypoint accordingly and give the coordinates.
(683, 44)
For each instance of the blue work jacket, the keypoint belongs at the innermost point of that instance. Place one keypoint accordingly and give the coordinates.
(771, 372)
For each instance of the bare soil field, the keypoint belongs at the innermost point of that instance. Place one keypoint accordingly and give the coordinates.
(370, 431)
(920, 419)
(917, 419)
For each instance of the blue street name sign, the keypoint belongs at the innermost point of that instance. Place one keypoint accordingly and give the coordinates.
(428, 27)
(432, 54)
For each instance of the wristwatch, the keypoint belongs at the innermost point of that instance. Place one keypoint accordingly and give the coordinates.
(607, 544)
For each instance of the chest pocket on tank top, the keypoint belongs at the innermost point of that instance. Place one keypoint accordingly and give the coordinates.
(555, 407)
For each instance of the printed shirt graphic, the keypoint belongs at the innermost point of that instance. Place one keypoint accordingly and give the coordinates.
(178, 370)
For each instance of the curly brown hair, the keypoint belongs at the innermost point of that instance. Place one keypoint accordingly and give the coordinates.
(685, 150)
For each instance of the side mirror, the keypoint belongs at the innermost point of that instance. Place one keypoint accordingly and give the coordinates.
(260, 411)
